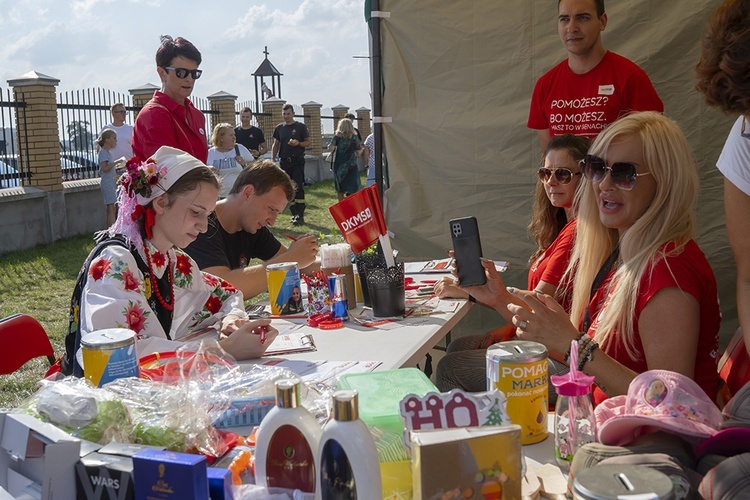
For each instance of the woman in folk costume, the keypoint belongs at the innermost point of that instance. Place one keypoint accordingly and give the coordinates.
(138, 278)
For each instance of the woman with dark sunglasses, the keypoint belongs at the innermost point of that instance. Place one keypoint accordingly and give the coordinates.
(553, 228)
(657, 306)
(169, 118)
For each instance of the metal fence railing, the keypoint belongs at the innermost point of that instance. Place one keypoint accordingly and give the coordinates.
(81, 116)
(13, 171)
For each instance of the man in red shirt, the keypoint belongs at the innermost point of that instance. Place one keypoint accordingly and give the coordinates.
(593, 86)
(170, 119)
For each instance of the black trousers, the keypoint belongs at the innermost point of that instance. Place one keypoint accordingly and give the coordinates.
(295, 168)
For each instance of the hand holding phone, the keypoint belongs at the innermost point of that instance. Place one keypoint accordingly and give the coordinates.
(467, 250)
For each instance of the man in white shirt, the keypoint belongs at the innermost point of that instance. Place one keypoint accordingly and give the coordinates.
(124, 131)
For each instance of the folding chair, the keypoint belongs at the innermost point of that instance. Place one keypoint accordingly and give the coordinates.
(22, 338)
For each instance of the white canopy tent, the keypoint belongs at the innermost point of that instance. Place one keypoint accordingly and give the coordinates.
(457, 79)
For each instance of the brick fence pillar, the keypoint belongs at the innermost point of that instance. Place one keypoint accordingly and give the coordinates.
(141, 95)
(339, 112)
(38, 145)
(272, 106)
(363, 122)
(223, 105)
(37, 123)
(314, 125)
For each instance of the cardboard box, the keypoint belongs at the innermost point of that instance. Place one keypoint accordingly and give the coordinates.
(169, 475)
(108, 474)
(477, 462)
(220, 484)
(36, 458)
(100, 476)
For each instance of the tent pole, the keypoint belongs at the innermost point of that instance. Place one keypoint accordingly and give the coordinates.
(377, 105)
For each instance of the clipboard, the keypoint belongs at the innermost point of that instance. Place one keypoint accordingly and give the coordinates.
(289, 343)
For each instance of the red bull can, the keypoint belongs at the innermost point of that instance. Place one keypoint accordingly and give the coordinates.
(338, 297)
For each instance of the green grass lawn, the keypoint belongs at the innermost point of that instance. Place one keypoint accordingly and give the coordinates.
(40, 281)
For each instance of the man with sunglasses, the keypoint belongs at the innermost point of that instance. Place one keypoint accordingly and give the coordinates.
(593, 86)
(124, 146)
(170, 119)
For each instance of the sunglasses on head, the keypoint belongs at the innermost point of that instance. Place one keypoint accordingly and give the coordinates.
(623, 174)
(562, 175)
(184, 72)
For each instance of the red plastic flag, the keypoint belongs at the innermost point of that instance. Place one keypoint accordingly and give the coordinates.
(360, 218)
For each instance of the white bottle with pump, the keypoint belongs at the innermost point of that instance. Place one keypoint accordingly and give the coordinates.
(287, 442)
(347, 459)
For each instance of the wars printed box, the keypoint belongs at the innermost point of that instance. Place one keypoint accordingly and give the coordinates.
(169, 475)
(100, 476)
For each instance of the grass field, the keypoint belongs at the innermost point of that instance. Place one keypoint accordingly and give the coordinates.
(39, 282)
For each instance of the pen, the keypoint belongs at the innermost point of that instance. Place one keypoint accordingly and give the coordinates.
(290, 236)
(262, 334)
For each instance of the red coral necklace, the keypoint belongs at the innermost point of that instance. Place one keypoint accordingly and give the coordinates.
(166, 305)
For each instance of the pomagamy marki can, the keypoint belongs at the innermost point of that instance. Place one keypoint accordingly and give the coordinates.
(518, 368)
(108, 355)
(282, 278)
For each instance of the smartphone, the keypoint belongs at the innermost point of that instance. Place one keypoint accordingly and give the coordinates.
(468, 251)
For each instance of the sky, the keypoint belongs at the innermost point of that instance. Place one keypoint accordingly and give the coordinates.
(111, 44)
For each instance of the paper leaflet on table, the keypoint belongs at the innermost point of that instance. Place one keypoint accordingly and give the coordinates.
(442, 266)
(321, 370)
(415, 307)
(361, 221)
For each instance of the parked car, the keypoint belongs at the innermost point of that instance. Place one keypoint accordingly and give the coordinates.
(9, 176)
(78, 165)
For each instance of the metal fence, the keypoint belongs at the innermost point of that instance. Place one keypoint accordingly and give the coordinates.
(13, 172)
(81, 116)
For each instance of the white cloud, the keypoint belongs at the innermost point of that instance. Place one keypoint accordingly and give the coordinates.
(111, 44)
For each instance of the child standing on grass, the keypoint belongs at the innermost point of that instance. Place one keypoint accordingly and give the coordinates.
(106, 141)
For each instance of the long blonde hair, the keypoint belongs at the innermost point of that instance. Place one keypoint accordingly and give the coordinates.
(669, 218)
(345, 128)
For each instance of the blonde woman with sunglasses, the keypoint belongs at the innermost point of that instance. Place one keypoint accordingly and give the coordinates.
(657, 306)
(553, 229)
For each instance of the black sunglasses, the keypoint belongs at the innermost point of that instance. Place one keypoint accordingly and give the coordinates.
(184, 72)
(623, 174)
(562, 175)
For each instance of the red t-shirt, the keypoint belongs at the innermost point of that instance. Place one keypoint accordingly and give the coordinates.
(163, 122)
(550, 265)
(567, 103)
(691, 272)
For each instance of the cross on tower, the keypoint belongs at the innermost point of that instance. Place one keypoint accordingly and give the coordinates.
(265, 51)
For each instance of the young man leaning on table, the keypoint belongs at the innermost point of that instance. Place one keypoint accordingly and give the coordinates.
(238, 231)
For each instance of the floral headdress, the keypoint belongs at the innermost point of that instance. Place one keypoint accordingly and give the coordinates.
(142, 182)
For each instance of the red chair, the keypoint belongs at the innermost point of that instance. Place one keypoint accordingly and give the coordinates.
(734, 368)
(22, 338)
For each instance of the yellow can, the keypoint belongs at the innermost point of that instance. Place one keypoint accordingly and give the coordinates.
(108, 355)
(518, 369)
(284, 288)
